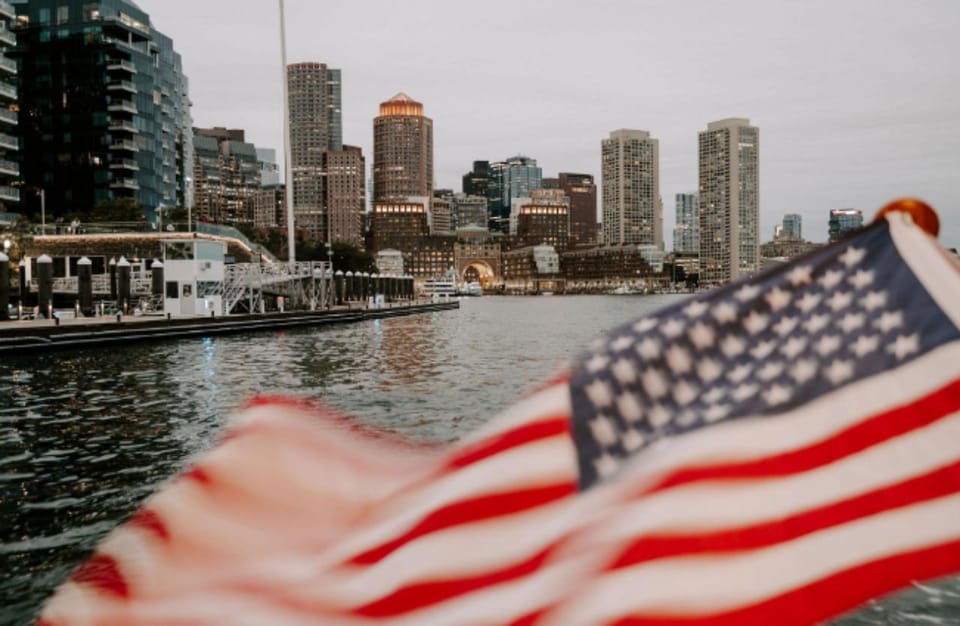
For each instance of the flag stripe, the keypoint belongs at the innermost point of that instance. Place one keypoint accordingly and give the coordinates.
(500, 442)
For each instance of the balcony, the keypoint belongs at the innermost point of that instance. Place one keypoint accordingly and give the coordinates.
(123, 126)
(8, 116)
(128, 24)
(10, 194)
(125, 183)
(125, 164)
(121, 85)
(8, 91)
(126, 107)
(9, 141)
(8, 65)
(120, 66)
(8, 37)
(124, 145)
(10, 168)
(166, 128)
(7, 10)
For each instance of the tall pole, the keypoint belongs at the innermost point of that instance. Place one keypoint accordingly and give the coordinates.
(287, 148)
(43, 210)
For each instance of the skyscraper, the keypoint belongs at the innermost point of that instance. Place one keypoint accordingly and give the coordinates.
(226, 173)
(582, 192)
(314, 92)
(842, 221)
(630, 170)
(402, 151)
(477, 181)
(9, 145)
(793, 226)
(729, 200)
(344, 197)
(103, 106)
(513, 178)
(686, 234)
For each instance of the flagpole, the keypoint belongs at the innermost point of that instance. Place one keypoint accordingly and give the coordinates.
(287, 149)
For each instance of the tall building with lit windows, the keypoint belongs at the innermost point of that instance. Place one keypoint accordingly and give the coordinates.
(402, 151)
(630, 170)
(686, 233)
(104, 110)
(729, 164)
(9, 142)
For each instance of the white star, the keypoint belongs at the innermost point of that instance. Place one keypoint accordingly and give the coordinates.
(597, 363)
(647, 323)
(809, 302)
(714, 395)
(747, 293)
(599, 394)
(755, 322)
(684, 393)
(672, 328)
(724, 312)
(606, 465)
(861, 279)
(648, 348)
(777, 394)
(852, 256)
(629, 407)
(709, 370)
(874, 300)
(658, 416)
(771, 370)
(803, 370)
(793, 347)
(831, 279)
(840, 300)
(678, 358)
(785, 326)
(633, 440)
(624, 371)
(732, 346)
(889, 320)
(701, 335)
(827, 345)
(763, 349)
(800, 275)
(604, 431)
(816, 323)
(687, 419)
(904, 346)
(654, 383)
(621, 343)
(839, 371)
(864, 345)
(778, 299)
(716, 413)
(745, 392)
(852, 322)
(740, 373)
(696, 309)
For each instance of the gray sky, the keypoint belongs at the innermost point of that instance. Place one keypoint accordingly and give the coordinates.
(857, 101)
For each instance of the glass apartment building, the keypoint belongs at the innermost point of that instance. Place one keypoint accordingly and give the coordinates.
(686, 234)
(104, 107)
(630, 179)
(9, 143)
(513, 178)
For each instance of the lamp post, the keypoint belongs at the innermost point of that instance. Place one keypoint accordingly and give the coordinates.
(160, 208)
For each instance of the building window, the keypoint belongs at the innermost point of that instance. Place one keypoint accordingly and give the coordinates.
(63, 14)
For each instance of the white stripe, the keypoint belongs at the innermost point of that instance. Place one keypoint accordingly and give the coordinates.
(927, 259)
(549, 402)
(701, 585)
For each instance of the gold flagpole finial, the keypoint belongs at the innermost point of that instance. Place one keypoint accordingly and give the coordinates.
(919, 211)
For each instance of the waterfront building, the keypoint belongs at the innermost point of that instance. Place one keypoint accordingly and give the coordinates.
(613, 264)
(390, 262)
(515, 177)
(9, 143)
(630, 178)
(266, 207)
(405, 226)
(842, 221)
(686, 233)
(226, 173)
(466, 210)
(786, 247)
(532, 269)
(440, 217)
(269, 169)
(402, 151)
(344, 200)
(108, 107)
(793, 226)
(543, 218)
(582, 192)
(729, 168)
(477, 255)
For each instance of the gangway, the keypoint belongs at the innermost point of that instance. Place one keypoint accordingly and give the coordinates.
(303, 285)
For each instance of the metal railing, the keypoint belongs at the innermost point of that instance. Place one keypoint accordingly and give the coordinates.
(8, 116)
(10, 193)
(127, 66)
(8, 64)
(8, 90)
(9, 167)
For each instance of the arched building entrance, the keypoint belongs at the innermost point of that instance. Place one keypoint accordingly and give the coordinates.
(479, 272)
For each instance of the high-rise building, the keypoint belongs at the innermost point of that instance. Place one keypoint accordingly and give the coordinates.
(582, 191)
(402, 151)
(344, 198)
(630, 170)
(269, 170)
(513, 178)
(314, 92)
(842, 221)
(686, 234)
(467, 210)
(104, 106)
(9, 144)
(793, 226)
(729, 167)
(477, 181)
(543, 218)
(226, 173)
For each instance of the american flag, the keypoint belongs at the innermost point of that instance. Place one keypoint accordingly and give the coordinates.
(775, 451)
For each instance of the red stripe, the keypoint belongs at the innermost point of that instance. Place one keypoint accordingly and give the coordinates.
(470, 510)
(198, 475)
(828, 596)
(101, 572)
(500, 442)
(936, 484)
(149, 520)
(858, 437)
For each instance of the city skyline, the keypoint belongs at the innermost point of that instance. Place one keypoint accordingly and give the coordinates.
(849, 118)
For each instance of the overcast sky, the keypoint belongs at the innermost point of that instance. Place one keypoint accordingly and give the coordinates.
(857, 101)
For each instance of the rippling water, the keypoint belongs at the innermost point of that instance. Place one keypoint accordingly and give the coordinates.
(85, 436)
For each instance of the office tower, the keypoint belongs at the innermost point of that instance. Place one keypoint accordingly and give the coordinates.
(842, 221)
(543, 218)
(441, 220)
(582, 191)
(477, 181)
(792, 226)
(467, 210)
(344, 197)
(402, 151)
(549, 183)
(105, 107)
(513, 178)
(314, 92)
(269, 169)
(9, 144)
(630, 170)
(686, 234)
(729, 200)
(226, 173)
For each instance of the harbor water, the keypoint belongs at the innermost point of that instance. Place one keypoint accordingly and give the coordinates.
(86, 435)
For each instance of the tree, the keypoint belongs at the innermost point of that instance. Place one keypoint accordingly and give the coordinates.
(346, 256)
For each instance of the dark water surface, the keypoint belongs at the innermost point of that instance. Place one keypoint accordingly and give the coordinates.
(86, 435)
